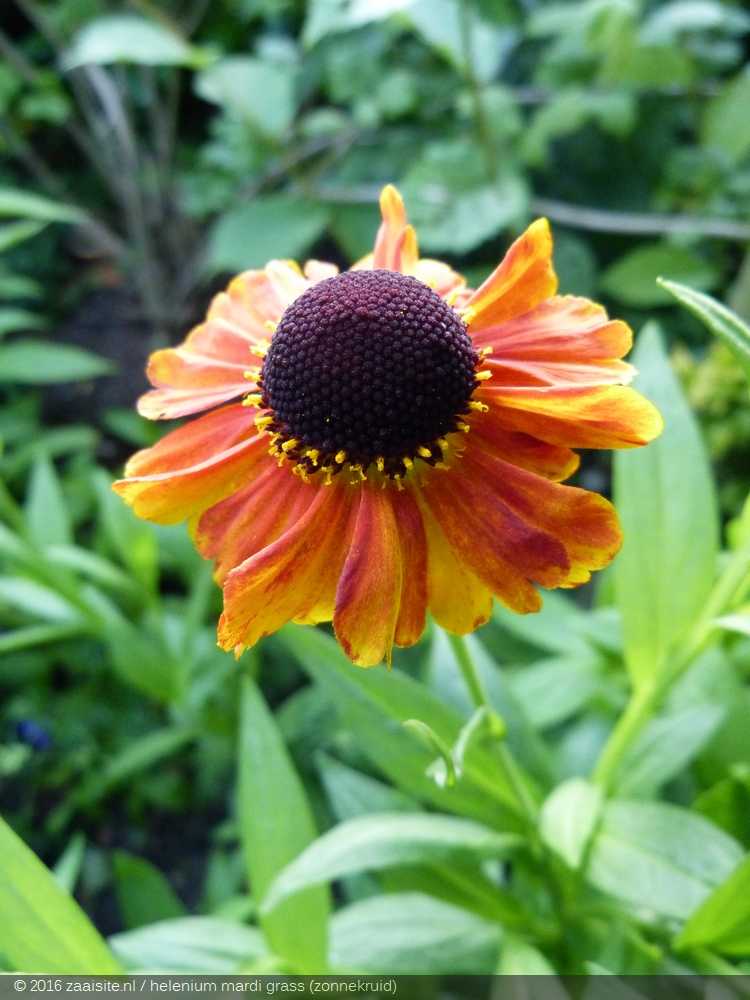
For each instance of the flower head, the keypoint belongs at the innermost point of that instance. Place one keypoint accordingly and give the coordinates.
(387, 441)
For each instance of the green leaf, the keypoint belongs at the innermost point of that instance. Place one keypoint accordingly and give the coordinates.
(127, 38)
(411, 933)
(42, 929)
(275, 826)
(46, 510)
(34, 599)
(665, 497)
(544, 700)
(632, 278)
(69, 864)
(274, 227)
(199, 945)
(18, 232)
(352, 793)
(14, 201)
(659, 858)
(261, 93)
(370, 843)
(519, 958)
(569, 817)
(722, 922)
(665, 747)
(39, 362)
(144, 895)
(722, 322)
(20, 320)
(374, 704)
(724, 124)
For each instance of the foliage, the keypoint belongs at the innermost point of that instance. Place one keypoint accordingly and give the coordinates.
(290, 812)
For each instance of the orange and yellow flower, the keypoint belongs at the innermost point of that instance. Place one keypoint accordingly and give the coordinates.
(387, 442)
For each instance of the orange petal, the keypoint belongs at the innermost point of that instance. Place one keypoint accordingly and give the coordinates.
(193, 467)
(549, 460)
(438, 276)
(281, 582)
(396, 242)
(524, 278)
(413, 603)
(610, 416)
(563, 340)
(236, 528)
(318, 270)
(369, 591)
(458, 600)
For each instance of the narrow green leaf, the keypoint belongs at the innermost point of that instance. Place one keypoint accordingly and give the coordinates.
(46, 510)
(199, 945)
(68, 866)
(37, 635)
(14, 233)
(275, 826)
(352, 793)
(38, 362)
(722, 322)
(659, 858)
(14, 201)
(42, 929)
(128, 38)
(412, 933)
(14, 320)
(519, 958)
(369, 843)
(569, 817)
(665, 497)
(723, 921)
(144, 895)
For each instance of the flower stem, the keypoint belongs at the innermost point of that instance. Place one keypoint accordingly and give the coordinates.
(639, 710)
(478, 695)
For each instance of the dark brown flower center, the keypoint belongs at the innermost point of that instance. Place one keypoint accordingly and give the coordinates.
(371, 364)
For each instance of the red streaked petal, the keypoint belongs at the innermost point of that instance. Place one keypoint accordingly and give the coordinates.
(458, 600)
(549, 460)
(523, 279)
(282, 581)
(611, 416)
(563, 340)
(396, 242)
(369, 590)
(236, 528)
(413, 603)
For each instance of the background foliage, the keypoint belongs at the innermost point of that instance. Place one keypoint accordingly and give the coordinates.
(278, 814)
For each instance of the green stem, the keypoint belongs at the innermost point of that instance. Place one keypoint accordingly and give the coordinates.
(478, 695)
(640, 708)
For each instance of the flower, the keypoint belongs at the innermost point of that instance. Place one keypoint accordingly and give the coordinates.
(399, 445)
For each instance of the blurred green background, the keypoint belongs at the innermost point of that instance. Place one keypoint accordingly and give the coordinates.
(150, 150)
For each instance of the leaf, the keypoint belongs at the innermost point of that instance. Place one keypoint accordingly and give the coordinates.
(724, 124)
(46, 510)
(665, 747)
(518, 958)
(406, 933)
(374, 704)
(19, 320)
(722, 322)
(352, 793)
(18, 232)
(144, 895)
(665, 497)
(68, 866)
(39, 362)
(550, 691)
(369, 843)
(127, 38)
(275, 826)
(259, 92)
(632, 278)
(14, 201)
(199, 945)
(36, 600)
(659, 858)
(42, 929)
(722, 922)
(569, 817)
(277, 226)
(439, 24)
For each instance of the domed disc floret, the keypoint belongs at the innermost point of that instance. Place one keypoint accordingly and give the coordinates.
(367, 367)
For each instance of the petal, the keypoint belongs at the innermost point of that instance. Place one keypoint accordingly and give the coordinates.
(319, 270)
(208, 367)
(396, 242)
(438, 276)
(549, 460)
(563, 340)
(611, 416)
(369, 591)
(281, 582)
(458, 600)
(413, 603)
(523, 279)
(192, 468)
(236, 528)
